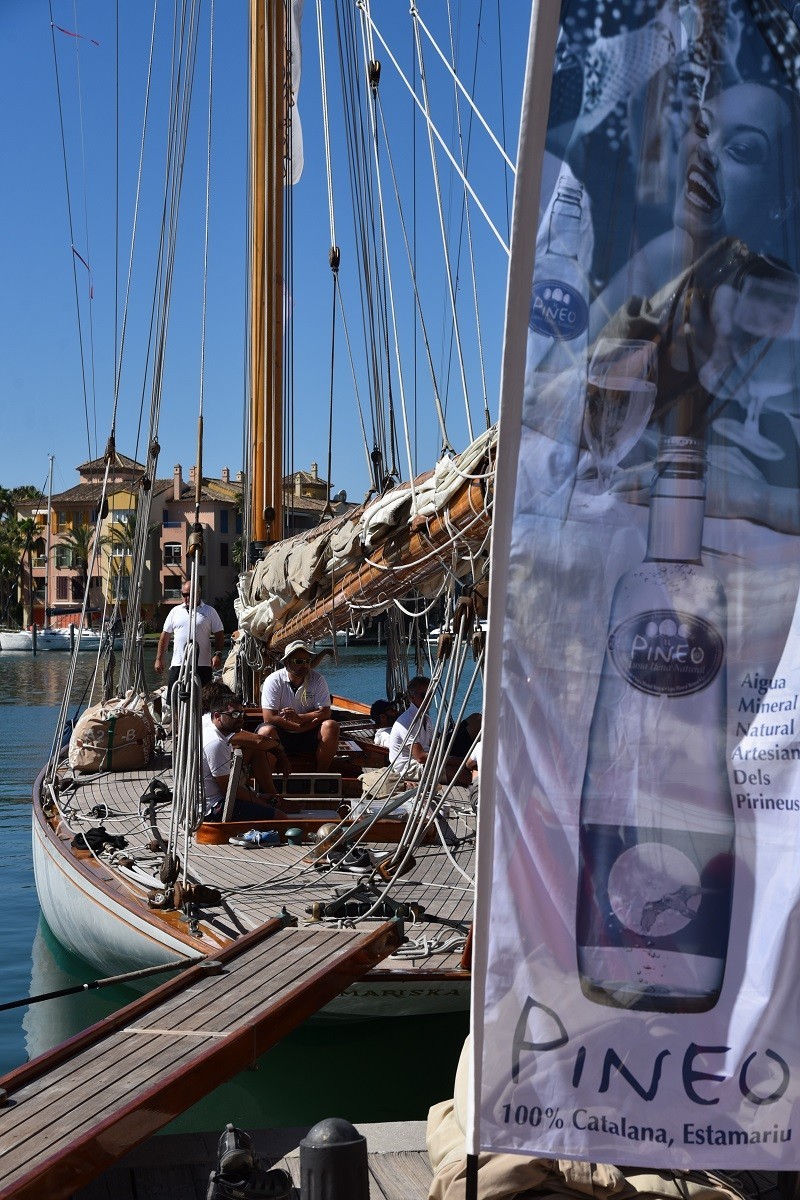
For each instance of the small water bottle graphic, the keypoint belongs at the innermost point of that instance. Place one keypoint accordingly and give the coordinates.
(656, 820)
(558, 321)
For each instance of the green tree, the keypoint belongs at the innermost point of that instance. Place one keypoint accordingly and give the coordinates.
(17, 537)
(79, 541)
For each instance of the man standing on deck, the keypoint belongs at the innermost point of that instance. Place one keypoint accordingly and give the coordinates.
(208, 626)
(296, 704)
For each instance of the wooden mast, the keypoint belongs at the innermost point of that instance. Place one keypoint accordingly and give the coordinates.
(267, 137)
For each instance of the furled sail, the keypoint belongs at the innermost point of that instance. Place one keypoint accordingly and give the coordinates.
(358, 564)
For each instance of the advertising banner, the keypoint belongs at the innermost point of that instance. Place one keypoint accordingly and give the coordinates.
(638, 922)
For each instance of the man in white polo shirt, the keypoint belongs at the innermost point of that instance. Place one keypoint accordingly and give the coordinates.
(208, 628)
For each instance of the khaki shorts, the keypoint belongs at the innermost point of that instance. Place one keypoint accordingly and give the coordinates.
(412, 769)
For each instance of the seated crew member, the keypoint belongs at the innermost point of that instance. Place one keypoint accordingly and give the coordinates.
(383, 714)
(296, 704)
(259, 803)
(216, 695)
(411, 739)
(466, 741)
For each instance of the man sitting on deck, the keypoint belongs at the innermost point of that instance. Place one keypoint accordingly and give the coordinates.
(221, 727)
(411, 739)
(296, 704)
(384, 714)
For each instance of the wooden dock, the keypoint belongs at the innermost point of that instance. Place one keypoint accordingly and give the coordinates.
(177, 1166)
(73, 1112)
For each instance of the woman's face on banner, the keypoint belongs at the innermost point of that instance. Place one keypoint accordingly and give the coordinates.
(735, 170)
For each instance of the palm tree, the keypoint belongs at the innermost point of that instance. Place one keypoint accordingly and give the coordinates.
(122, 538)
(79, 541)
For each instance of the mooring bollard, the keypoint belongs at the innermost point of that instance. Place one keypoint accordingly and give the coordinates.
(333, 1162)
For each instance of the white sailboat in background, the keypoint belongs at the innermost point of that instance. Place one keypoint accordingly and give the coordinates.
(51, 637)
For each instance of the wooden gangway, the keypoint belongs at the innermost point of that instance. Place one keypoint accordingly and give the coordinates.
(73, 1112)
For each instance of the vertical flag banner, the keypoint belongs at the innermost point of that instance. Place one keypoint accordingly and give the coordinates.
(638, 924)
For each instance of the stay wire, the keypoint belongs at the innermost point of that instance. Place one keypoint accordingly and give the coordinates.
(71, 231)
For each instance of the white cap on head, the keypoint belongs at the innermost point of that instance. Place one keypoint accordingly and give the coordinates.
(297, 644)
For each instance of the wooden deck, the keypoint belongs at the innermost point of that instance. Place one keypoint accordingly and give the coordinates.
(178, 1166)
(258, 884)
(72, 1113)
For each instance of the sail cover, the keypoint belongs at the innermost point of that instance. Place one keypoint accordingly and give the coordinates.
(638, 922)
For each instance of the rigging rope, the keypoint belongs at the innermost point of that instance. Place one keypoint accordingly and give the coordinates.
(442, 229)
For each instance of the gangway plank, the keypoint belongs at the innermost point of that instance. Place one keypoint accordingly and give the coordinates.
(74, 1111)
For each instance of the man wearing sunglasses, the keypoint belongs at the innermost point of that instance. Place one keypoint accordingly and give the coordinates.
(222, 733)
(296, 704)
(208, 628)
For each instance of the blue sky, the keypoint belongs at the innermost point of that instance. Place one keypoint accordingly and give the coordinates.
(41, 378)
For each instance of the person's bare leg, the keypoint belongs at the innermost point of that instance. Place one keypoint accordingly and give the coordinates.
(328, 744)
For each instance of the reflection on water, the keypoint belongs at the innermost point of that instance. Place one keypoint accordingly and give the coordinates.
(40, 679)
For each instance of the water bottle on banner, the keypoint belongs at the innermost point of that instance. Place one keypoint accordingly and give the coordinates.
(656, 821)
(555, 361)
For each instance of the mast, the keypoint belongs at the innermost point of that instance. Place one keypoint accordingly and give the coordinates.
(267, 134)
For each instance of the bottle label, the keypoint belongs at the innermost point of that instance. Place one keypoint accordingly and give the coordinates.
(667, 653)
(656, 889)
(558, 311)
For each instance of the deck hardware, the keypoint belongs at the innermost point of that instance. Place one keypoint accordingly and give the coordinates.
(333, 1161)
(211, 966)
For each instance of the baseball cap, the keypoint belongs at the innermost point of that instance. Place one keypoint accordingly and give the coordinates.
(293, 647)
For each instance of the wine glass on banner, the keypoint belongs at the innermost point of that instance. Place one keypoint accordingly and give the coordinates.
(620, 395)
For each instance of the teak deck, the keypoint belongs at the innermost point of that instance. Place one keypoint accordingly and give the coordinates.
(75, 1111)
(258, 884)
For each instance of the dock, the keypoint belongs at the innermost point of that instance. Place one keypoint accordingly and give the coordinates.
(179, 1165)
(72, 1113)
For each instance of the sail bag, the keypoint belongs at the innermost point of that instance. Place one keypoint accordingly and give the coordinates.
(116, 735)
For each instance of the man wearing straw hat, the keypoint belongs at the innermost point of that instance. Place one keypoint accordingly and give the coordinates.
(296, 703)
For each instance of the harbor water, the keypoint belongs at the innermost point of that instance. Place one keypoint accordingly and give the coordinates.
(365, 1071)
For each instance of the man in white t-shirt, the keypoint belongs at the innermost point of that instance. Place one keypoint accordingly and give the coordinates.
(222, 733)
(412, 733)
(208, 629)
(383, 713)
(412, 737)
(296, 704)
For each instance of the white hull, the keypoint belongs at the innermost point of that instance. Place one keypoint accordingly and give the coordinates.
(51, 639)
(91, 922)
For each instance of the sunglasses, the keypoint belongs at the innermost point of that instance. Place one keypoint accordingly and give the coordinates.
(185, 595)
(235, 713)
(300, 662)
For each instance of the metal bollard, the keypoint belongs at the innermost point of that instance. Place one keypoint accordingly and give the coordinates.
(333, 1162)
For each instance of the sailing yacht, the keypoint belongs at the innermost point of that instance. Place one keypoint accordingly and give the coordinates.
(128, 874)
